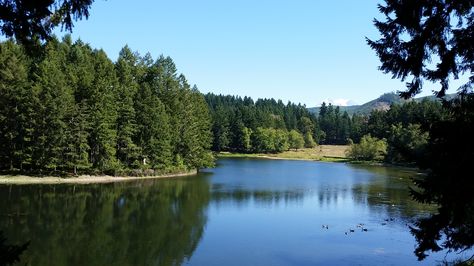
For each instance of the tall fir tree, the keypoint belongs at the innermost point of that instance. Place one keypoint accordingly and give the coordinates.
(103, 114)
(127, 151)
(153, 134)
(16, 110)
(55, 102)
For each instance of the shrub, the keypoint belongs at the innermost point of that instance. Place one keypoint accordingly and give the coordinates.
(369, 149)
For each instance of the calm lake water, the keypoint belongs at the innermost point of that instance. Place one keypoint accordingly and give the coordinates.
(243, 212)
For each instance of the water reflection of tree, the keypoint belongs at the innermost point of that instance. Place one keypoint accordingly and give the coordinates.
(119, 224)
(267, 198)
(385, 192)
(259, 197)
(388, 193)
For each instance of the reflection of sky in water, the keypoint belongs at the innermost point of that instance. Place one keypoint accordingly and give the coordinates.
(266, 212)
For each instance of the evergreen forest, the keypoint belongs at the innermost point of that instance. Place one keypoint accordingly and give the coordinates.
(68, 108)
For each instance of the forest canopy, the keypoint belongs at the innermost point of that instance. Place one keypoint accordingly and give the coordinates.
(72, 110)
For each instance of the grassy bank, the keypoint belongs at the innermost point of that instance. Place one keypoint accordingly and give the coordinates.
(82, 179)
(329, 153)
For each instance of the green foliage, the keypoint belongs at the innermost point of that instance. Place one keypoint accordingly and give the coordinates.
(280, 137)
(76, 156)
(153, 132)
(54, 101)
(103, 114)
(415, 31)
(71, 110)
(309, 141)
(449, 183)
(235, 121)
(262, 140)
(306, 125)
(336, 128)
(246, 139)
(269, 140)
(17, 110)
(369, 149)
(406, 128)
(28, 20)
(127, 150)
(295, 140)
(406, 144)
(220, 130)
(195, 131)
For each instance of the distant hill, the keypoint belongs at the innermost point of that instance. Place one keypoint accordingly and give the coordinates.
(381, 103)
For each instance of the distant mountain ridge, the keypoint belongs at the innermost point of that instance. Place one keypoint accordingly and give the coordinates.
(381, 103)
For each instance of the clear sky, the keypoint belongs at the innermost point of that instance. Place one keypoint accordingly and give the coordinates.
(305, 51)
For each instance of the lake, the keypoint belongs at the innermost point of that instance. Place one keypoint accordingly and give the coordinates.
(243, 212)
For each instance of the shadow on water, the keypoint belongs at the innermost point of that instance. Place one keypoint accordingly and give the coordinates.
(143, 223)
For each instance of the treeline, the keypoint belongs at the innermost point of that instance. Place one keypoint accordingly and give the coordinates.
(339, 128)
(266, 125)
(400, 134)
(69, 108)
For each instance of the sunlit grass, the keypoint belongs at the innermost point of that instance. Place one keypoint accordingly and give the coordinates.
(332, 153)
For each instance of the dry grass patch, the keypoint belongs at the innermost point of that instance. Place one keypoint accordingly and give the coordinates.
(319, 153)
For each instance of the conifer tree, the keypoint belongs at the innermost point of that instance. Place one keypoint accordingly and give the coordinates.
(195, 134)
(103, 114)
(16, 110)
(127, 151)
(55, 101)
(153, 134)
(220, 129)
(80, 75)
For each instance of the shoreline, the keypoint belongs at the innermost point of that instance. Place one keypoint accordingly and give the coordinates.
(82, 179)
(282, 157)
(320, 153)
(326, 159)
(260, 156)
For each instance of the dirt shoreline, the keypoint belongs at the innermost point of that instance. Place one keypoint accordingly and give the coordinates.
(82, 179)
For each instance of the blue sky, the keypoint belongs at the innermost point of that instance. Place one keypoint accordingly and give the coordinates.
(305, 51)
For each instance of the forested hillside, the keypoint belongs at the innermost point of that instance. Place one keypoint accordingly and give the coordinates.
(383, 102)
(69, 109)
